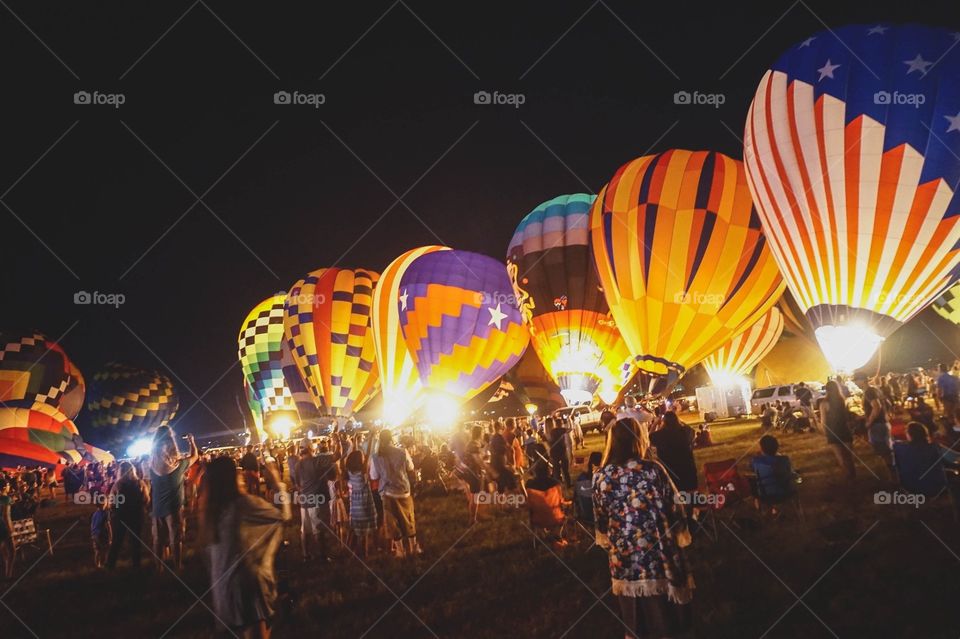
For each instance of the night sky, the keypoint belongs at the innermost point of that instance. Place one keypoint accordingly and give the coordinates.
(106, 199)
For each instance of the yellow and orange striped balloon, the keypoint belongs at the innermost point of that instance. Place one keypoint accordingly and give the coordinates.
(741, 354)
(681, 257)
(327, 325)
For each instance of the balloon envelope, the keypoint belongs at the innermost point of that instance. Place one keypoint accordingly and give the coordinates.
(399, 379)
(460, 321)
(739, 356)
(327, 326)
(32, 369)
(129, 402)
(571, 328)
(852, 148)
(681, 257)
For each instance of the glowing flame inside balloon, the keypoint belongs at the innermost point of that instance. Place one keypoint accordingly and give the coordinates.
(848, 347)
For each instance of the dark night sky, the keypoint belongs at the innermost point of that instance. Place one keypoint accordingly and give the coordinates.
(294, 188)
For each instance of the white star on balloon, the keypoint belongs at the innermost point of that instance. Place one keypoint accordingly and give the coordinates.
(918, 64)
(954, 121)
(496, 316)
(403, 300)
(806, 43)
(826, 71)
(879, 29)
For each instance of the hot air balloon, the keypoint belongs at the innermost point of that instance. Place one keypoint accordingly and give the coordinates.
(947, 305)
(681, 257)
(42, 425)
(399, 380)
(734, 360)
(255, 411)
(33, 369)
(460, 321)
(127, 402)
(327, 325)
(852, 149)
(571, 329)
(269, 371)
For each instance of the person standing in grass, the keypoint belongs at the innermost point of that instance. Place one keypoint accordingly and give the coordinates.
(560, 450)
(167, 472)
(129, 498)
(643, 529)
(391, 467)
(242, 534)
(363, 512)
(835, 419)
(8, 551)
(100, 532)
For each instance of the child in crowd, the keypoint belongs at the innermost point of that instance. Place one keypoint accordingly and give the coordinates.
(363, 512)
(100, 532)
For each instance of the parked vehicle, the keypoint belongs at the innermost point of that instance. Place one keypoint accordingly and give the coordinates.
(589, 417)
(785, 393)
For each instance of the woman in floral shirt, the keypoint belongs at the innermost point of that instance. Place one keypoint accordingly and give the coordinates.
(643, 529)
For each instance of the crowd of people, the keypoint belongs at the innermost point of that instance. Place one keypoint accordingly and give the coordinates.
(354, 491)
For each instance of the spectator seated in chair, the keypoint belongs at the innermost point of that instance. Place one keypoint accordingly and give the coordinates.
(703, 438)
(775, 479)
(545, 499)
(917, 462)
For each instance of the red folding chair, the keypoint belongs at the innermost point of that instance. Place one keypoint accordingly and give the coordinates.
(725, 489)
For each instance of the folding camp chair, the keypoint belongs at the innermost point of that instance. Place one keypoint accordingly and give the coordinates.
(769, 494)
(25, 534)
(726, 488)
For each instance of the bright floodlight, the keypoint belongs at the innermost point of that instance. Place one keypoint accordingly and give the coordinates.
(442, 411)
(848, 347)
(531, 408)
(726, 378)
(140, 447)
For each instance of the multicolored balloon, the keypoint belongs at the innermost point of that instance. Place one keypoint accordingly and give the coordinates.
(681, 257)
(852, 148)
(460, 321)
(947, 305)
(129, 402)
(740, 355)
(76, 392)
(399, 379)
(42, 425)
(327, 325)
(571, 328)
(261, 355)
(33, 369)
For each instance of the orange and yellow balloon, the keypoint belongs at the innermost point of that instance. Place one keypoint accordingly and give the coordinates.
(681, 257)
(734, 360)
(327, 326)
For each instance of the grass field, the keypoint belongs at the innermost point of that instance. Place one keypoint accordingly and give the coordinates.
(852, 568)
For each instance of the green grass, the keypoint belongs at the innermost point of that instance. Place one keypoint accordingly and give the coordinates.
(863, 569)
